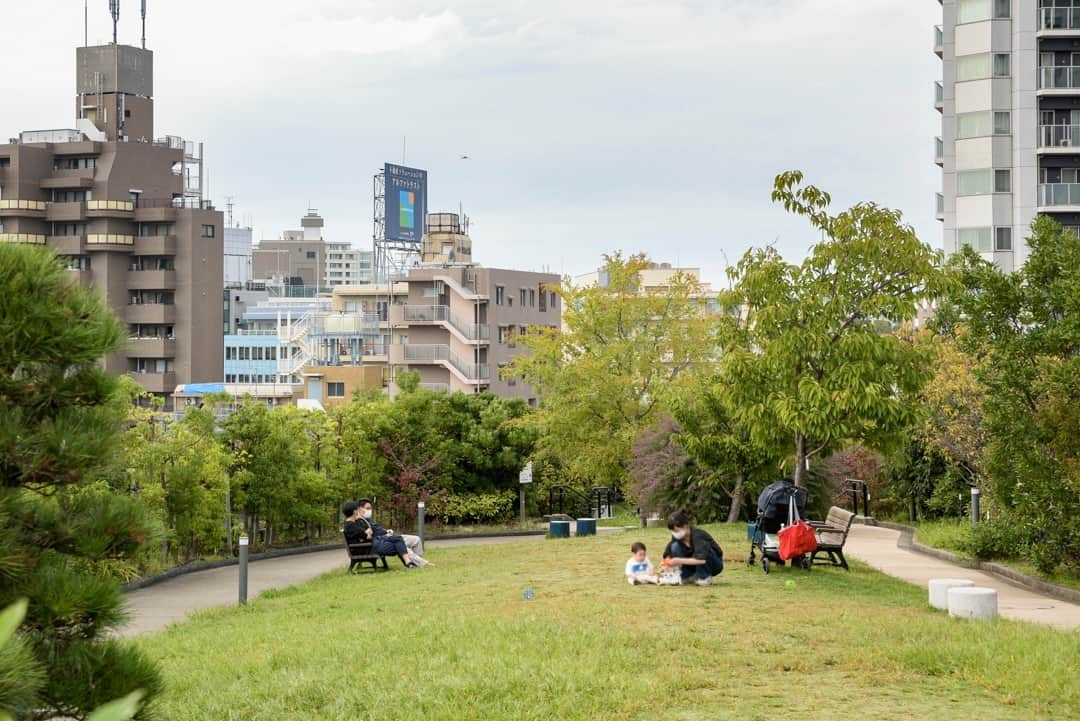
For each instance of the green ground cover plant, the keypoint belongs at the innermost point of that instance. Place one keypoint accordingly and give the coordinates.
(956, 535)
(461, 641)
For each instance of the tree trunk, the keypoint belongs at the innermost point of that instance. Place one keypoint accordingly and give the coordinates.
(737, 498)
(800, 459)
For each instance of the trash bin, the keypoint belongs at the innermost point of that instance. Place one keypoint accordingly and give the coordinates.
(586, 526)
(559, 529)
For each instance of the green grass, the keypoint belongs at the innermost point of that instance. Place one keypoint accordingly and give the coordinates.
(954, 535)
(621, 515)
(459, 641)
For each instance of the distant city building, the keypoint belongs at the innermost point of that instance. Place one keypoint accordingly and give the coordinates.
(304, 257)
(237, 269)
(125, 212)
(346, 265)
(1009, 100)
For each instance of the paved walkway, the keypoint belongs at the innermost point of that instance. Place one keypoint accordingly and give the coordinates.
(877, 547)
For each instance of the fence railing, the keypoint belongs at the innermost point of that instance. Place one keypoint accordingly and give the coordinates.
(1059, 18)
(424, 353)
(1059, 194)
(1059, 136)
(15, 204)
(1059, 76)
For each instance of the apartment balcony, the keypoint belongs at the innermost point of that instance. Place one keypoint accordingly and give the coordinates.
(150, 313)
(939, 206)
(151, 210)
(939, 41)
(441, 355)
(151, 280)
(110, 209)
(110, 241)
(70, 179)
(436, 387)
(25, 238)
(939, 96)
(1059, 197)
(155, 245)
(1058, 22)
(152, 347)
(12, 208)
(939, 152)
(440, 315)
(65, 212)
(1059, 139)
(156, 382)
(67, 244)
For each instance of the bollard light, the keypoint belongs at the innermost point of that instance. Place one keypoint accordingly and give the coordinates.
(975, 505)
(243, 569)
(420, 520)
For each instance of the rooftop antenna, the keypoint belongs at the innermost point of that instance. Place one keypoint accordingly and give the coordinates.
(144, 24)
(229, 207)
(114, 10)
(86, 23)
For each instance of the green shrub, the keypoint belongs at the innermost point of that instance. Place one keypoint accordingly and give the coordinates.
(1001, 538)
(475, 507)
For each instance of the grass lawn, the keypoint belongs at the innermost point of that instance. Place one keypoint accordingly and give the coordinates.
(459, 641)
(954, 534)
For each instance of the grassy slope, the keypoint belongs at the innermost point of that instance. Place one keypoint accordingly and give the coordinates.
(459, 641)
(954, 535)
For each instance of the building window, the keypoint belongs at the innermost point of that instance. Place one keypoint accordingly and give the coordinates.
(1001, 65)
(1002, 123)
(978, 239)
(1001, 8)
(521, 297)
(1002, 181)
(532, 298)
(311, 255)
(335, 390)
(504, 333)
(974, 182)
(554, 300)
(500, 295)
(1002, 239)
(973, 67)
(230, 354)
(207, 231)
(973, 11)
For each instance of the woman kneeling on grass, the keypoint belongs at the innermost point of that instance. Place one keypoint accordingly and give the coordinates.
(697, 554)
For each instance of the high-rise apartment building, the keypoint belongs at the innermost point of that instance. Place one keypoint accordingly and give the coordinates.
(126, 214)
(1010, 132)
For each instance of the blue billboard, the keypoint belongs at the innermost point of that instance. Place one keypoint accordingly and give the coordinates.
(406, 202)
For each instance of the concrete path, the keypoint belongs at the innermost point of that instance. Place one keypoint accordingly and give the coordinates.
(155, 607)
(877, 547)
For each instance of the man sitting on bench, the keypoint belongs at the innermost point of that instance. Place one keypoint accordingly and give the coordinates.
(359, 528)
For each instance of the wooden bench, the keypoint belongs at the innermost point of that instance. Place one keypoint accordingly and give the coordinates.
(831, 535)
(360, 553)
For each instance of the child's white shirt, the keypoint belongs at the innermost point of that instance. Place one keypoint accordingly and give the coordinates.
(634, 568)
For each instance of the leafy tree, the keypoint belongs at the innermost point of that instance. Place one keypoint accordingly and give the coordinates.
(606, 375)
(1025, 326)
(815, 368)
(60, 418)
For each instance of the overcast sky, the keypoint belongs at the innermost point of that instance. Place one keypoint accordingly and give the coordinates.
(641, 125)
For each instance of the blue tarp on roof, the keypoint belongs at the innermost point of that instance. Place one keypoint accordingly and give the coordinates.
(198, 389)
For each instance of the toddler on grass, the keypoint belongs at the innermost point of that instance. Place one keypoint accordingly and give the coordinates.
(639, 568)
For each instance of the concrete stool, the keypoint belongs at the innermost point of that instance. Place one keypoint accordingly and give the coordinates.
(973, 602)
(939, 590)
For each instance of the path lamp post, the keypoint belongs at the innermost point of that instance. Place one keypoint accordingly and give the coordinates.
(243, 569)
(420, 521)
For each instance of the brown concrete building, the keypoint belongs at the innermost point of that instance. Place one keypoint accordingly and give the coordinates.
(298, 257)
(126, 214)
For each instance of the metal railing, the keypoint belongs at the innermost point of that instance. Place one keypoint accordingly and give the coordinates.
(435, 386)
(858, 489)
(109, 239)
(1059, 76)
(435, 353)
(28, 238)
(939, 204)
(1059, 18)
(598, 502)
(442, 314)
(14, 204)
(1059, 194)
(939, 93)
(939, 38)
(126, 206)
(1059, 136)
(939, 151)
(188, 203)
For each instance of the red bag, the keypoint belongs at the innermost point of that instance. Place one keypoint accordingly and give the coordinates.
(798, 537)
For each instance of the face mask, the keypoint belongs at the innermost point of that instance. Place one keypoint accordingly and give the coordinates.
(678, 535)
(367, 513)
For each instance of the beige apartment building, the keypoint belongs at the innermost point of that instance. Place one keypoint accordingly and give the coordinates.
(125, 213)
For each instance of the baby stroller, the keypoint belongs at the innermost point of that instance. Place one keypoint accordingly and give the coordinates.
(772, 509)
